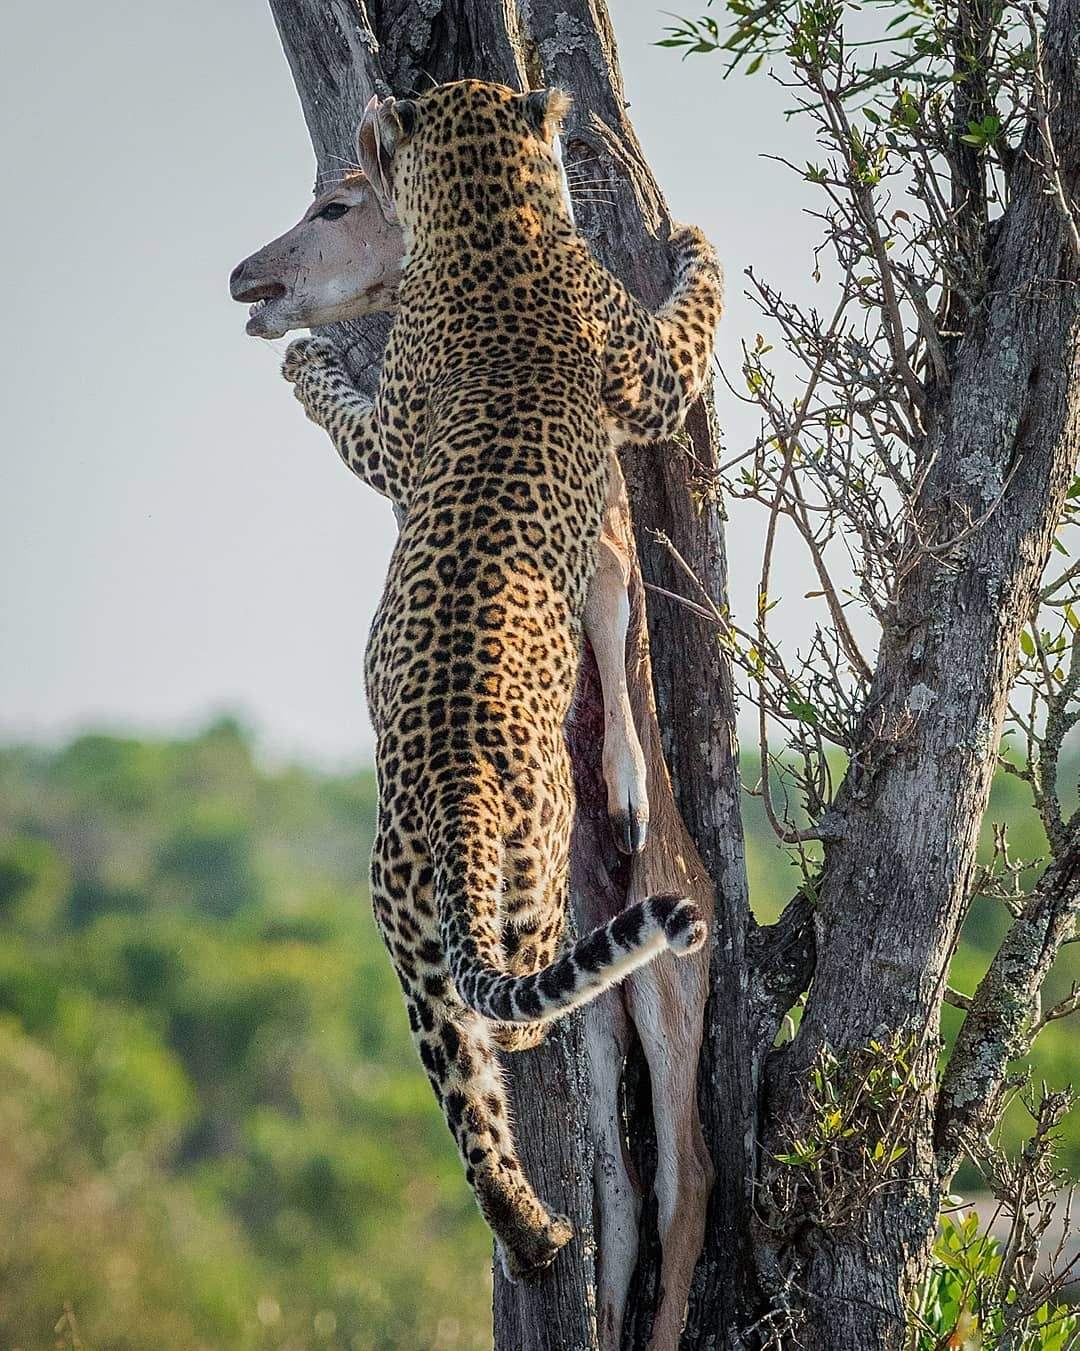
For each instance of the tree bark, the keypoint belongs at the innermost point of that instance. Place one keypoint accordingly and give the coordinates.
(1003, 441)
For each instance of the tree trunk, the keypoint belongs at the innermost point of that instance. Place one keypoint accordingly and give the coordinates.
(900, 857)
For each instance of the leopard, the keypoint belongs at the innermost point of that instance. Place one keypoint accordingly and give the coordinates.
(342, 260)
(513, 356)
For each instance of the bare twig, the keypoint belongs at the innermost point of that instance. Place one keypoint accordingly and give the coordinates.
(1051, 162)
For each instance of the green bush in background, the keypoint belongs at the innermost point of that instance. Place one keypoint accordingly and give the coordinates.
(213, 1129)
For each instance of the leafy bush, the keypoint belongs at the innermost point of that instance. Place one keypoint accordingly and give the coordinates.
(963, 1305)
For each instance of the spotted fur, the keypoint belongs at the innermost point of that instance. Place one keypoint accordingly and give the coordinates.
(489, 429)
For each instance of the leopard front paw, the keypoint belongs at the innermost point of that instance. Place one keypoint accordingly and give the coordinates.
(307, 358)
(690, 247)
(687, 239)
(317, 372)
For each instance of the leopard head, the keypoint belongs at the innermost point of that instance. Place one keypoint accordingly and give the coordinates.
(466, 155)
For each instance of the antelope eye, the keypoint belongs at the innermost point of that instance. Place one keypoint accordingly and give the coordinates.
(334, 211)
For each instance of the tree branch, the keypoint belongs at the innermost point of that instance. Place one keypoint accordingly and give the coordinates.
(998, 1027)
(781, 961)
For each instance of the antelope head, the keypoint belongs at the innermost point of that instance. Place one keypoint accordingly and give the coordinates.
(341, 259)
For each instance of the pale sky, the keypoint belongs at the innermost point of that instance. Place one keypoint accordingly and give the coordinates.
(175, 539)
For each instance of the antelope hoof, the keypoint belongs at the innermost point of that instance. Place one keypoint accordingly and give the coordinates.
(630, 827)
(627, 794)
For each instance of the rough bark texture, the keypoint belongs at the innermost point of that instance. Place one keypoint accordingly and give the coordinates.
(897, 877)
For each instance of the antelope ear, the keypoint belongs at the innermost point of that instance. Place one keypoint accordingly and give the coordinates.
(544, 110)
(385, 124)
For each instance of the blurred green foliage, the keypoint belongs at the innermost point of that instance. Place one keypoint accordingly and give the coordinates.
(214, 1132)
(213, 1127)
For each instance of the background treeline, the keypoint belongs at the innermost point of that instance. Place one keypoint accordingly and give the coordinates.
(213, 1128)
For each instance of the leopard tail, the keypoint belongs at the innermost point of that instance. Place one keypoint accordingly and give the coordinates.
(596, 962)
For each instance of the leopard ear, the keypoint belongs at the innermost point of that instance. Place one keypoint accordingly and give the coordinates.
(386, 124)
(544, 111)
(405, 112)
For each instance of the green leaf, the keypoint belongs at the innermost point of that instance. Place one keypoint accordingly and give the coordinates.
(805, 712)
